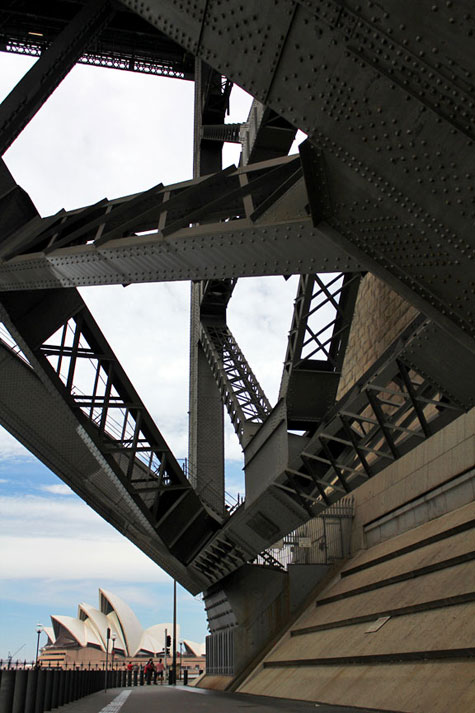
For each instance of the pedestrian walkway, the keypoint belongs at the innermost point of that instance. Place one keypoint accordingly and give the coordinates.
(170, 699)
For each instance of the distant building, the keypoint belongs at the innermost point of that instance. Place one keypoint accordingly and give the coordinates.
(82, 641)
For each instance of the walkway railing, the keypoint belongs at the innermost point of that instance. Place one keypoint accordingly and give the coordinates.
(322, 540)
(35, 690)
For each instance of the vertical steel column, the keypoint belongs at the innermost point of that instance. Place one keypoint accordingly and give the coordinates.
(31, 92)
(206, 416)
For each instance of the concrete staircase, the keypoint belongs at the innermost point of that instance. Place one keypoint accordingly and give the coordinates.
(394, 631)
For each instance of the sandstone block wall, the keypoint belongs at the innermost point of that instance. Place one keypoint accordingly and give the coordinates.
(380, 315)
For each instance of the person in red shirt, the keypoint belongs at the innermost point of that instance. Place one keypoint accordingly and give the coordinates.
(149, 671)
(159, 671)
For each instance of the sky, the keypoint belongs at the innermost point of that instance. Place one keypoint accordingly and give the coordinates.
(107, 133)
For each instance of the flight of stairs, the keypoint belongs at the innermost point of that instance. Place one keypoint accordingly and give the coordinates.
(394, 631)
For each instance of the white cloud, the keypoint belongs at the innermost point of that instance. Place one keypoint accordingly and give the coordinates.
(10, 448)
(33, 516)
(59, 593)
(54, 538)
(260, 314)
(59, 489)
(137, 595)
(99, 134)
(75, 559)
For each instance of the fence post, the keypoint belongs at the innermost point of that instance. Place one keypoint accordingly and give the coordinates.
(40, 692)
(19, 695)
(30, 697)
(61, 686)
(48, 689)
(7, 689)
(54, 689)
(72, 686)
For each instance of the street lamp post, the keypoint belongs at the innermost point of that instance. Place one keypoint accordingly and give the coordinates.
(39, 629)
(108, 637)
(174, 632)
(113, 650)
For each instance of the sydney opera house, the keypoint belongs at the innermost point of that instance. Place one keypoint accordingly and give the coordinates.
(83, 640)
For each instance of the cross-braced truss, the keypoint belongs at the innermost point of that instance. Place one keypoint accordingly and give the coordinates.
(316, 348)
(382, 418)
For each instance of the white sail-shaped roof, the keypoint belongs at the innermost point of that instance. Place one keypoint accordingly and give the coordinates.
(90, 628)
(193, 648)
(97, 623)
(67, 627)
(49, 631)
(153, 638)
(131, 629)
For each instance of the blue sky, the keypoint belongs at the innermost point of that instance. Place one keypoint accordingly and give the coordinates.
(106, 133)
(56, 553)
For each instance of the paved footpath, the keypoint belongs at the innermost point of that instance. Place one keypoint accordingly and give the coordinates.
(168, 699)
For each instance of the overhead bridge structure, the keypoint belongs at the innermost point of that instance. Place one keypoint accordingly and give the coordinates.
(375, 213)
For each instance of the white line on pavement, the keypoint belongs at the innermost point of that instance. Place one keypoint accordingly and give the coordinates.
(115, 705)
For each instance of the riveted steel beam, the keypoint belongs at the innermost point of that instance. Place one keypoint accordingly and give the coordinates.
(153, 236)
(127, 42)
(383, 93)
(205, 252)
(16, 206)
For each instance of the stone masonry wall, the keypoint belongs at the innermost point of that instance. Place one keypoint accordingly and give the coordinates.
(380, 315)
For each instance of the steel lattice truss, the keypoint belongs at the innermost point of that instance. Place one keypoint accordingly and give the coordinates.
(246, 403)
(127, 42)
(383, 184)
